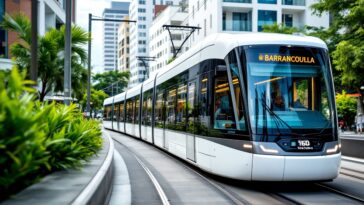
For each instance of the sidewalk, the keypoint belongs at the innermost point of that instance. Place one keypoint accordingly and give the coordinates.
(350, 134)
(88, 185)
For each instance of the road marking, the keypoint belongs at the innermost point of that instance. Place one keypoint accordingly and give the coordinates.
(160, 191)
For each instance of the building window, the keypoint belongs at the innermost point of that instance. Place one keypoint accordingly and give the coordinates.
(3, 33)
(141, 18)
(141, 10)
(204, 27)
(224, 21)
(267, 1)
(241, 21)
(211, 21)
(266, 17)
(287, 20)
(142, 2)
(294, 2)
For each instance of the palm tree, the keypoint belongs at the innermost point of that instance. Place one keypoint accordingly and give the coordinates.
(50, 55)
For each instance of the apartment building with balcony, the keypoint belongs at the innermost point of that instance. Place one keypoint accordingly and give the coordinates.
(160, 45)
(123, 46)
(51, 14)
(142, 11)
(250, 15)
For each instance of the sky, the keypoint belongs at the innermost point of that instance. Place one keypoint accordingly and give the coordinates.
(96, 7)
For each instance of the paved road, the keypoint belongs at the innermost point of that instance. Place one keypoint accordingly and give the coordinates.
(183, 184)
(180, 185)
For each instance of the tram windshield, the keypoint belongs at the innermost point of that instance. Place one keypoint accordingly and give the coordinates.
(289, 90)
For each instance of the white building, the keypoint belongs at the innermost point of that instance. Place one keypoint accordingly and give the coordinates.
(160, 45)
(250, 15)
(142, 11)
(123, 46)
(117, 11)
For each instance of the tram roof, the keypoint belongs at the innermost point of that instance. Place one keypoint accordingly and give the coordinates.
(217, 46)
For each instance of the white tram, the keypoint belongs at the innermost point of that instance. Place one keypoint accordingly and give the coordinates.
(252, 106)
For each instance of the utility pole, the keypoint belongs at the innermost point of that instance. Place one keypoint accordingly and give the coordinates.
(67, 54)
(34, 46)
(88, 108)
(90, 19)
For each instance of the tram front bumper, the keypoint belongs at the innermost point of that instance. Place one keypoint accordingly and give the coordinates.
(295, 168)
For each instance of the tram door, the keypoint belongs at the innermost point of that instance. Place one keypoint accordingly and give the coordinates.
(191, 104)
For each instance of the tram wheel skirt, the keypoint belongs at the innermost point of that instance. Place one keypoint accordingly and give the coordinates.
(295, 168)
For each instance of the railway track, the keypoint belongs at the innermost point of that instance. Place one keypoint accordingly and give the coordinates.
(238, 194)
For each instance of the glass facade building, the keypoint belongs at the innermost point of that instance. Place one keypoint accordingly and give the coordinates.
(266, 17)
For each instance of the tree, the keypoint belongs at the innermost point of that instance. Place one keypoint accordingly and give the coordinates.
(50, 55)
(347, 36)
(97, 98)
(346, 107)
(105, 80)
(280, 28)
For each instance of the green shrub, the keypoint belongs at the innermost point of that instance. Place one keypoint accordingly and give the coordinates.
(36, 139)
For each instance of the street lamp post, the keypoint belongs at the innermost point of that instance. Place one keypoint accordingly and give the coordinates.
(67, 54)
(34, 46)
(90, 19)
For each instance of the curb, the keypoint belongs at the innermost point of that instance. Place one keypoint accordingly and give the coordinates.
(98, 190)
(90, 185)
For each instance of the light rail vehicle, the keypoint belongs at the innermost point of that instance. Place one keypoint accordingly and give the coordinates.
(256, 107)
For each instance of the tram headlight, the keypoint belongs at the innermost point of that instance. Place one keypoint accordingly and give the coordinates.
(333, 150)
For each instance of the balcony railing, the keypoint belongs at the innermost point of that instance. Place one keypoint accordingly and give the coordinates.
(294, 2)
(238, 1)
(241, 25)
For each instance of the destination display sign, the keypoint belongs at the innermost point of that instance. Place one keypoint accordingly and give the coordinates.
(286, 58)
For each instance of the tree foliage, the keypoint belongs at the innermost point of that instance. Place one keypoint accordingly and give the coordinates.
(104, 81)
(280, 28)
(346, 107)
(35, 138)
(50, 54)
(97, 98)
(346, 34)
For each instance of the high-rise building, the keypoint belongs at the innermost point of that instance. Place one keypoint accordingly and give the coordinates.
(123, 46)
(160, 45)
(117, 11)
(51, 14)
(142, 11)
(250, 15)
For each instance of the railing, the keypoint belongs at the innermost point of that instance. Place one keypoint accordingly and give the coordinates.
(233, 25)
(238, 1)
(294, 2)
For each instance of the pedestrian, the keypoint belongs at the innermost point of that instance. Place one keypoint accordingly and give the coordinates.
(361, 123)
(359, 120)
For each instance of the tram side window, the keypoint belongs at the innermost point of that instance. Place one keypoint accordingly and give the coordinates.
(223, 110)
(136, 110)
(108, 112)
(160, 109)
(149, 108)
(235, 75)
(181, 107)
(116, 112)
(203, 119)
(144, 108)
(129, 111)
(171, 108)
(121, 112)
(191, 100)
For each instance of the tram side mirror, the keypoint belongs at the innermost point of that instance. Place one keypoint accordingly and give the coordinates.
(220, 68)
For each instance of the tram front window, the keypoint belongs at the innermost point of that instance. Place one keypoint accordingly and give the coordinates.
(289, 90)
